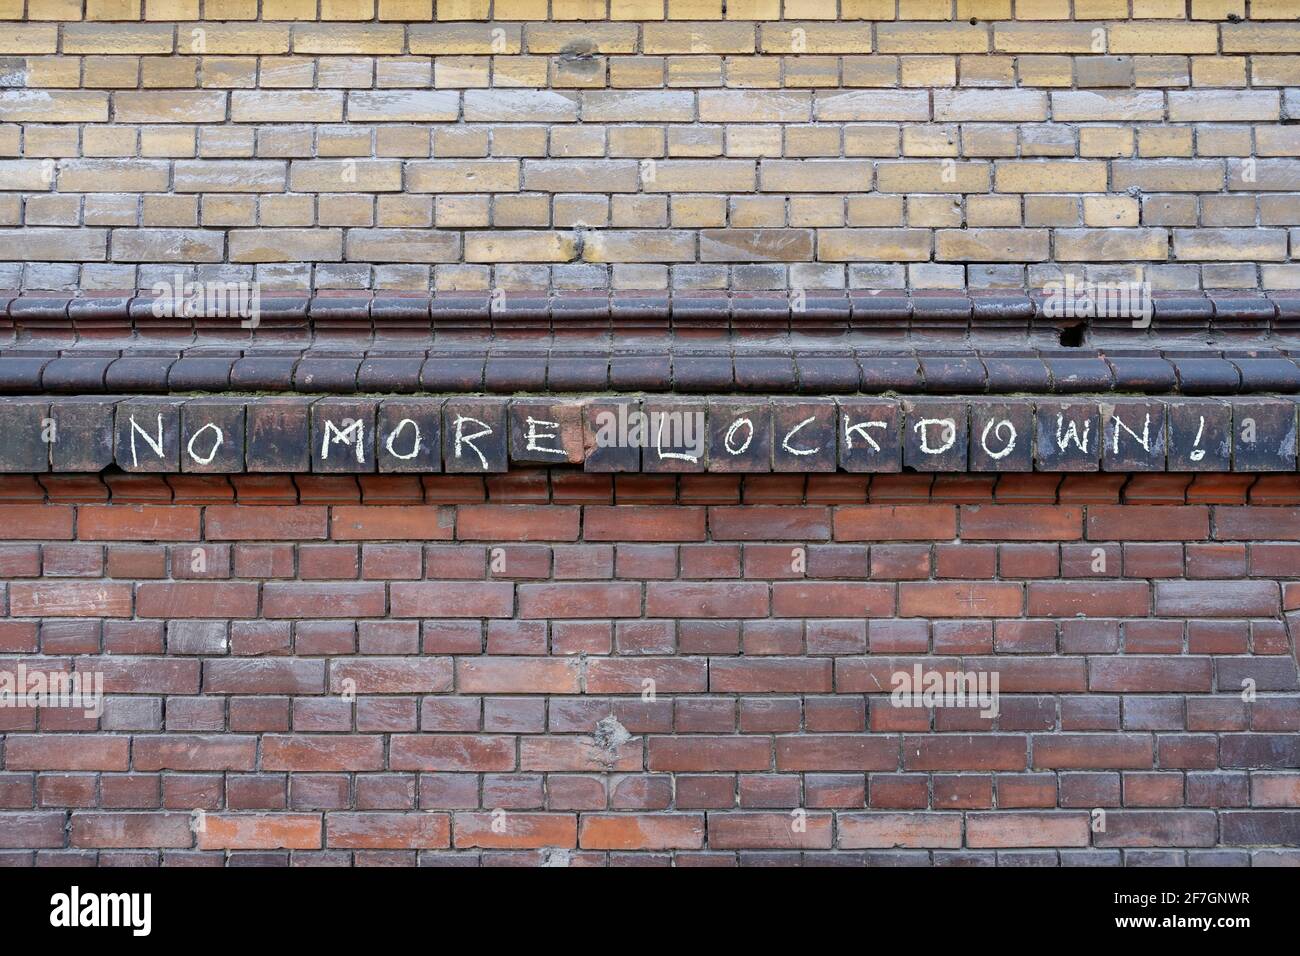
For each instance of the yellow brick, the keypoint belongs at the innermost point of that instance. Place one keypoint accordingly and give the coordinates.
(938, 176)
(167, 142)
(1046, 70)
(465, 38)
(928, 71)
(1100, 9)
(984, 9)
(337, 38)
(596, 38)
(1163, 38)
(698, 38)
(1048, 176)
(1158, 9)
(414, 10)
(230, 9)
(117, 38)
(1275, 70)
(932, 38)
(787, 37)
(1108, 141)
(522, 10)
(1110, 211)
(233, 39)
(334, 10)
(874, 245)
(29, 38)
(694, 9)
(794, 10)
(11, 9)
(1261, 37)
(111, 72)
(993, 210)
(1272, 10)
(1219, 71)
(578, 9)
(1047, 10)
(924, 9)
(1218, 9)
(507, 246)
(60, 10)
(1045, 38)
(867, 9)
(288, 9)
(118, 9)
(171, 10)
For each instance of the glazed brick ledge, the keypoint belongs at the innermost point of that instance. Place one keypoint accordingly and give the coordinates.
(630, 434)
(674, 364)
(510, 308)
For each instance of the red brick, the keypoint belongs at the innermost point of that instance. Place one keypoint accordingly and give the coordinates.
(706, 600)
(36, 522)
(895, 522)
(516, 830)
(804, 831)
(137, 523)
(1021, 523)
(197, 599)
(517, 523)
(119, 830)
(391, 523)
(613, 599)
(869, 831)
(935, 599)
(769, 523)
(387, 831)
(1003, 829)
(265, 523)
(260, 831)
(827, 599)
(71, 599)
(324, 600)
(641, 831)
(1098, 599)
(66, 752)
(1143, 523)
(451, 599)
(643, 523)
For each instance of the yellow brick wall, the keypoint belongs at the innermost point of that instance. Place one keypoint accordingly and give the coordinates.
(688, 144)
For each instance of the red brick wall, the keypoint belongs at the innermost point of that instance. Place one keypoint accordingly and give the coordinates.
(1122, 615)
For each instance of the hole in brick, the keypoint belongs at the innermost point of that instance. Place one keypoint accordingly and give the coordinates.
(1072, 336)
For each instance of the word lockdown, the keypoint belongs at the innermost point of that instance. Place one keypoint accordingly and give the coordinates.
(626, 434)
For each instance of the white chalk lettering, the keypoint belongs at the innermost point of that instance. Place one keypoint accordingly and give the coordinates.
(533, 435)
(216, 444)
(949, 434)
(997, 427)
(731, 434)
(860, 429)
(353, 433)
(463, 439)
(157, 445)
(392, 438)
(785, 442)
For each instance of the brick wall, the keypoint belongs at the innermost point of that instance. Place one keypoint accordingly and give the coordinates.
(644, 144)
(279, 655)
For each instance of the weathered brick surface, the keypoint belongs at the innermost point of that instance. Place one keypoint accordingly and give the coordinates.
(648, 144)
(566, 668)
